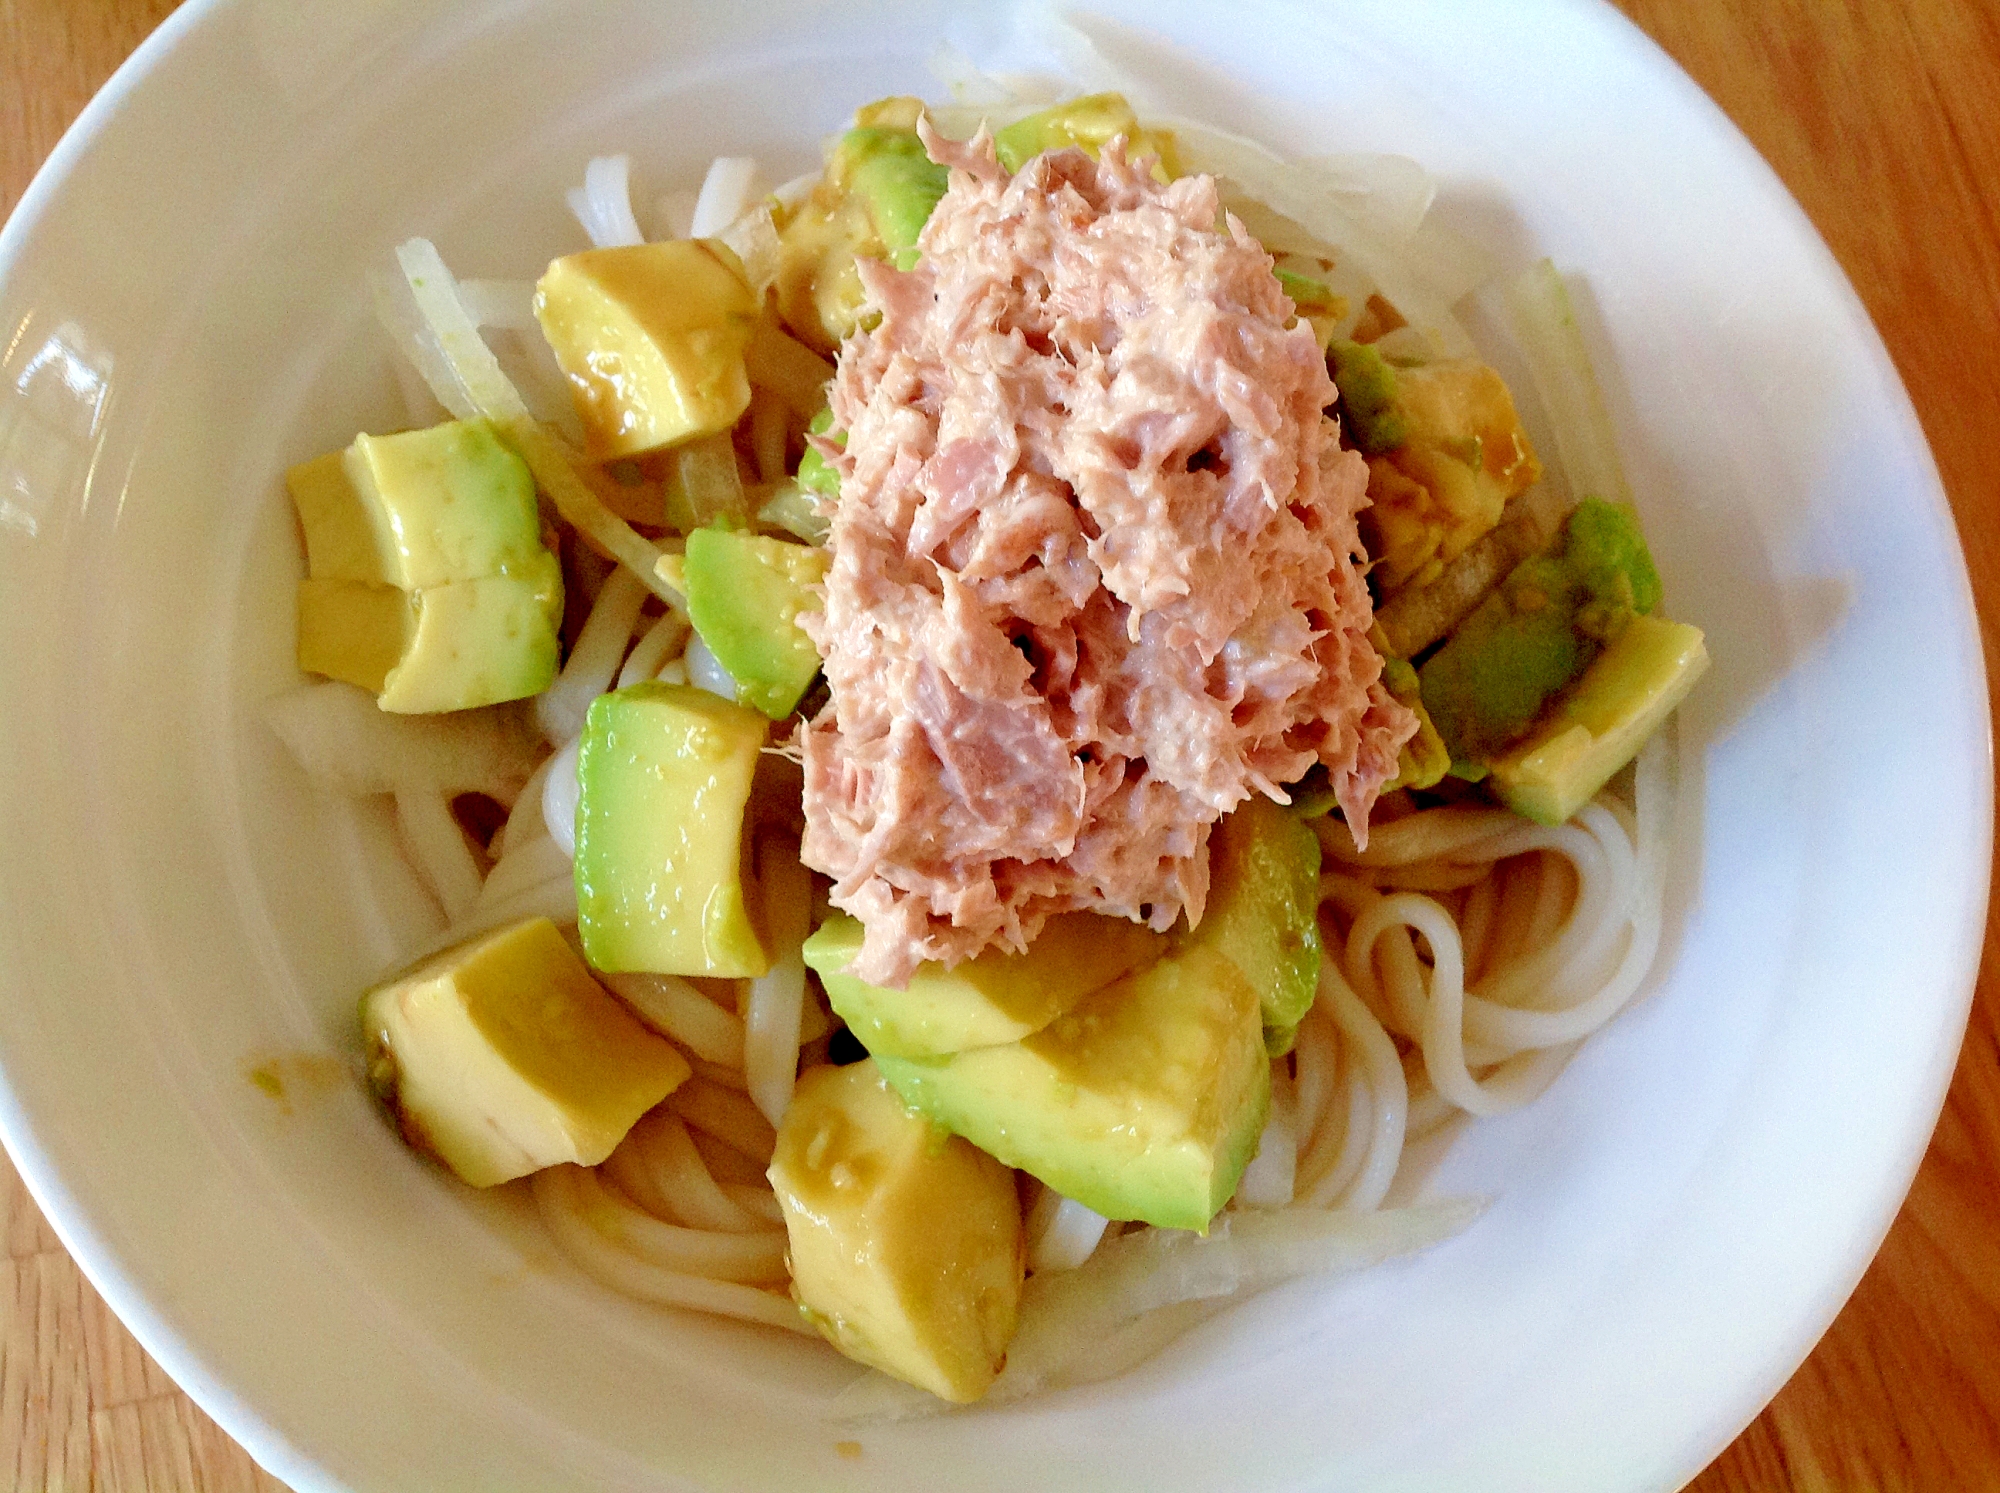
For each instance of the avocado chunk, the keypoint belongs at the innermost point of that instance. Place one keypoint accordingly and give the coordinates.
(502, 1056)
(427, 582)
(448, 647)
(993, 998)
(1263, 910)
(1088, 123)
(664, 772)
(816, 474)
(1315, 303)
(1445, 455)
(876, 195)
(890, 172)
(1142, 1101)
(1538, 630)
(651, 338)
(744, 594)
(905, 1245)
(1423, 761)
(1367, 384)
(1600, 725)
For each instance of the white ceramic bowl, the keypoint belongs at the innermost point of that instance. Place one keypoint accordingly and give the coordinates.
(180, 297)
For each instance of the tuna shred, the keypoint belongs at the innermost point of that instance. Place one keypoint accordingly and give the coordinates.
(1096, 576)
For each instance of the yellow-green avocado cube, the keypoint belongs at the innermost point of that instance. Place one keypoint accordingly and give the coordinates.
(1263, 910)
(905, 1245)
(1621, 700)
(651, 337)
(503, 1056)
(428, 582)
(994, 998)
(665, 773)
(1143, 1101)
(1088, 123)
(744, 594)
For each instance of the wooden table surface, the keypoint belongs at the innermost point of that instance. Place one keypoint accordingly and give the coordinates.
(1879, 116)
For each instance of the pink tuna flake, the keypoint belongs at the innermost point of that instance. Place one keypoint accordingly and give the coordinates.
(1096, 577)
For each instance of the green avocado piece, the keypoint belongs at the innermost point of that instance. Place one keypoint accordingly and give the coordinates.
(816, 473)
(905, 1246)
(448, 647)
(1315, 303)
(1601, 724)
(1263, 910)
(1089, 123)
(1608, 554)
(1424, 760)
(420, 508)
(1537, 631)
(1367, 387)
(993, 998)
(744, 594)
(428, 582)
(889, 170)
(502, 1055)
(1142, 1101)
(665, 772)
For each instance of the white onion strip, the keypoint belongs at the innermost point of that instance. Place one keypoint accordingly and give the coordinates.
(777, 997)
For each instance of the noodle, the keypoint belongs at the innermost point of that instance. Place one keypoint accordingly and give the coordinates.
(594, 657)
(660, 642)
(437, 846)
(674, 1008)
(558, 1195)
(776, 1006)
(726, 1114)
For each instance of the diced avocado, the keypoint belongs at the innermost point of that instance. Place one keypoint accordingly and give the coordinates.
(891, 173)
(993, 998)
(897, 112)
(502, 1056)
(1088, 123)
(664, 772)
(876, 195)
(1418, 616)
(1601, 724)
(1368, 411)
(447, 647)
(1608, 553)
(1315, 303)
(651, 337)
(1263, 909)
(428, 582)
(1537, 631)
(1435, 492)
(816, 473)
(1144, 1100)
(420, 508)
(743, 593)
(906, 1247)
(1424, 759)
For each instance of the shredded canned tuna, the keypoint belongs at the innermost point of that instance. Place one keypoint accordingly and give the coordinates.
(1096, 577)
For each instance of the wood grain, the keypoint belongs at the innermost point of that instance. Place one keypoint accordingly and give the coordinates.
(1879, 117)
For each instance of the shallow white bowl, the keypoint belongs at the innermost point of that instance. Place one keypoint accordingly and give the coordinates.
(1675, 1223)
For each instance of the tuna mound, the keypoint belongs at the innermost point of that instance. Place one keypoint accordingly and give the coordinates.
(1096, 576)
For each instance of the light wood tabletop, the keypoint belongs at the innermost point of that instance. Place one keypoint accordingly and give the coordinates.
(1878, 115)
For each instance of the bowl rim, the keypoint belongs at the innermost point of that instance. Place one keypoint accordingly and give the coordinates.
(172, 1345)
